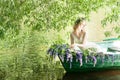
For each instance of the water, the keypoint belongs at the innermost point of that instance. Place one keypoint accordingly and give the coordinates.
(60, 74)
(104, 75)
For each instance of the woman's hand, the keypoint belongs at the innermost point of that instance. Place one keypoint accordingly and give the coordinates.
(79, 45)
(72, 46)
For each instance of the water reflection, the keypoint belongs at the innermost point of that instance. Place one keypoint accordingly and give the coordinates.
(59, 74)
(51, 75)
(103, 75)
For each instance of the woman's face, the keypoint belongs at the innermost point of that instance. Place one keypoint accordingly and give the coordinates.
(82, 26)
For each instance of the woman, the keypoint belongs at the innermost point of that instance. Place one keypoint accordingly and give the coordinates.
(78, 42)
(78, 36)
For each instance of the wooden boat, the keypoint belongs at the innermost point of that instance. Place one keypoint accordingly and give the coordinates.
(103, 61)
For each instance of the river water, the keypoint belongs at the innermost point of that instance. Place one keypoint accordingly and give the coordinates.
(60, 74)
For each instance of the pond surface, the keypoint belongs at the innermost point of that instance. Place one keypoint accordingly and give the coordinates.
(60, 74)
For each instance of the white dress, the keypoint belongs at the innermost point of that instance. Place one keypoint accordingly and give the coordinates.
(76, 42)
(87, 45)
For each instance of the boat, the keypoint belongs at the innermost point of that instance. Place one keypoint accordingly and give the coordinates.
(109, 59)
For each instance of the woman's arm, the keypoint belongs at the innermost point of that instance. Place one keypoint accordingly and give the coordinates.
(84, 38)
(72, 41)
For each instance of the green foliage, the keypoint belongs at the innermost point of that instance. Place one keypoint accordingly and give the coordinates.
(59, 40)
(44, 15)
(28, 61)
(89, 51)
(25, 66)
(112, 16)
(117, 29)
(19, 18)
(58, 49)
(23, 24)
(108, 33)
(119, 36)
